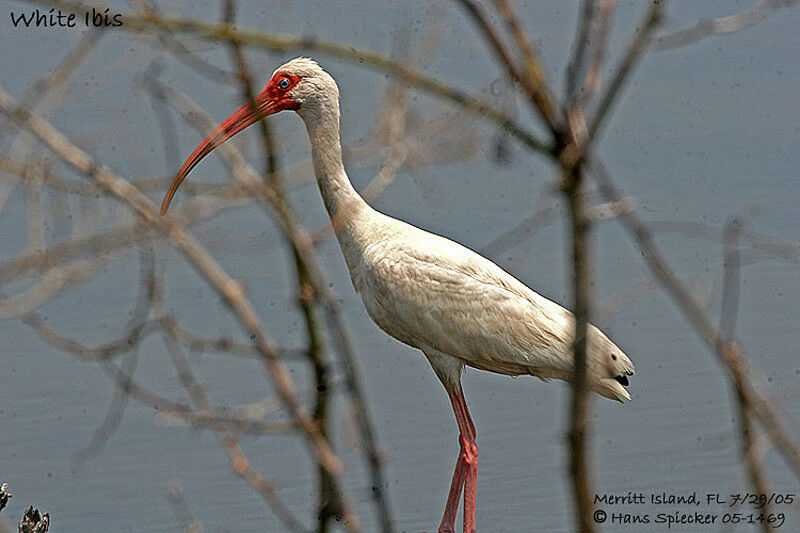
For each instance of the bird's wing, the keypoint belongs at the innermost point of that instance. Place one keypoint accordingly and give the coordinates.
(435, 294)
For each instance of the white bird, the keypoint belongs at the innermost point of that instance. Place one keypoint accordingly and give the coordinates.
(429, 292)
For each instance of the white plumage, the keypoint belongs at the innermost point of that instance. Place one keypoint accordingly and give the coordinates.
(438, 296)
(429, 292)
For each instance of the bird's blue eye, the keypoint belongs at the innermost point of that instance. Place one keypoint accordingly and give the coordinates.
(283, 84)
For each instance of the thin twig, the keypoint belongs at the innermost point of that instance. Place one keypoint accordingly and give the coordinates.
(239, 461)
(52, 282)
(600, 36)
(223, 344)
(539, 92)
(134, 326)
(721, 26)
(525, 230)
(102, 245)
(731, 289)
(630, 58)
(576, 65)
(163, 406)
(37, 91)
(113, 415)
(771, 246)
(532, 84)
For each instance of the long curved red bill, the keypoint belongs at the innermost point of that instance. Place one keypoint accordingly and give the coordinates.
(241, 119)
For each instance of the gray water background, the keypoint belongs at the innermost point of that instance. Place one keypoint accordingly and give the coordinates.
(702, 133)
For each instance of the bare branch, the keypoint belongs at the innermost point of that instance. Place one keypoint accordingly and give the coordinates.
(533, 85)
(34, 94)
(234, 424)
(302, 244)
(165, 408)
(772, 247)
(55, 280)
(239, 461)
(600, 36)
(226, 345)
(134, 326)
(113, 416)
(540, 93)
(580, 223)
(163, 116)
(721, 26)
(102, 245)
(151, 21)
(631, 57)
(729, 354)
(229, 289)
(731, 288)
(530, 226)
(577, 62)
(332, 500)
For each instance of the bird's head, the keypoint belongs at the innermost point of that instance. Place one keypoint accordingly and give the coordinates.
(608, 366)
(300, 85)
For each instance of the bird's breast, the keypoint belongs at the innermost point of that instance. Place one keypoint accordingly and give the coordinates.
(387, 293)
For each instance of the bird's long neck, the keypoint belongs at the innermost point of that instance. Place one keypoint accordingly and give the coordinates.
(351, 216)
(341, 199)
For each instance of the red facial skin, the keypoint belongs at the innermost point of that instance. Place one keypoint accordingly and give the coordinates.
(272, 99)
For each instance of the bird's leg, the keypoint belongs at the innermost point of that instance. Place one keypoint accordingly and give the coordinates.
(466, 471)
(451, 507)
(469, 451)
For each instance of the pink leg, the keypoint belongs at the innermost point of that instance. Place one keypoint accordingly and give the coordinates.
(466, 471)
(450, 509)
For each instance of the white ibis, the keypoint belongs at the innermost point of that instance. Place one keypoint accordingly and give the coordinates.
(429, 292)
